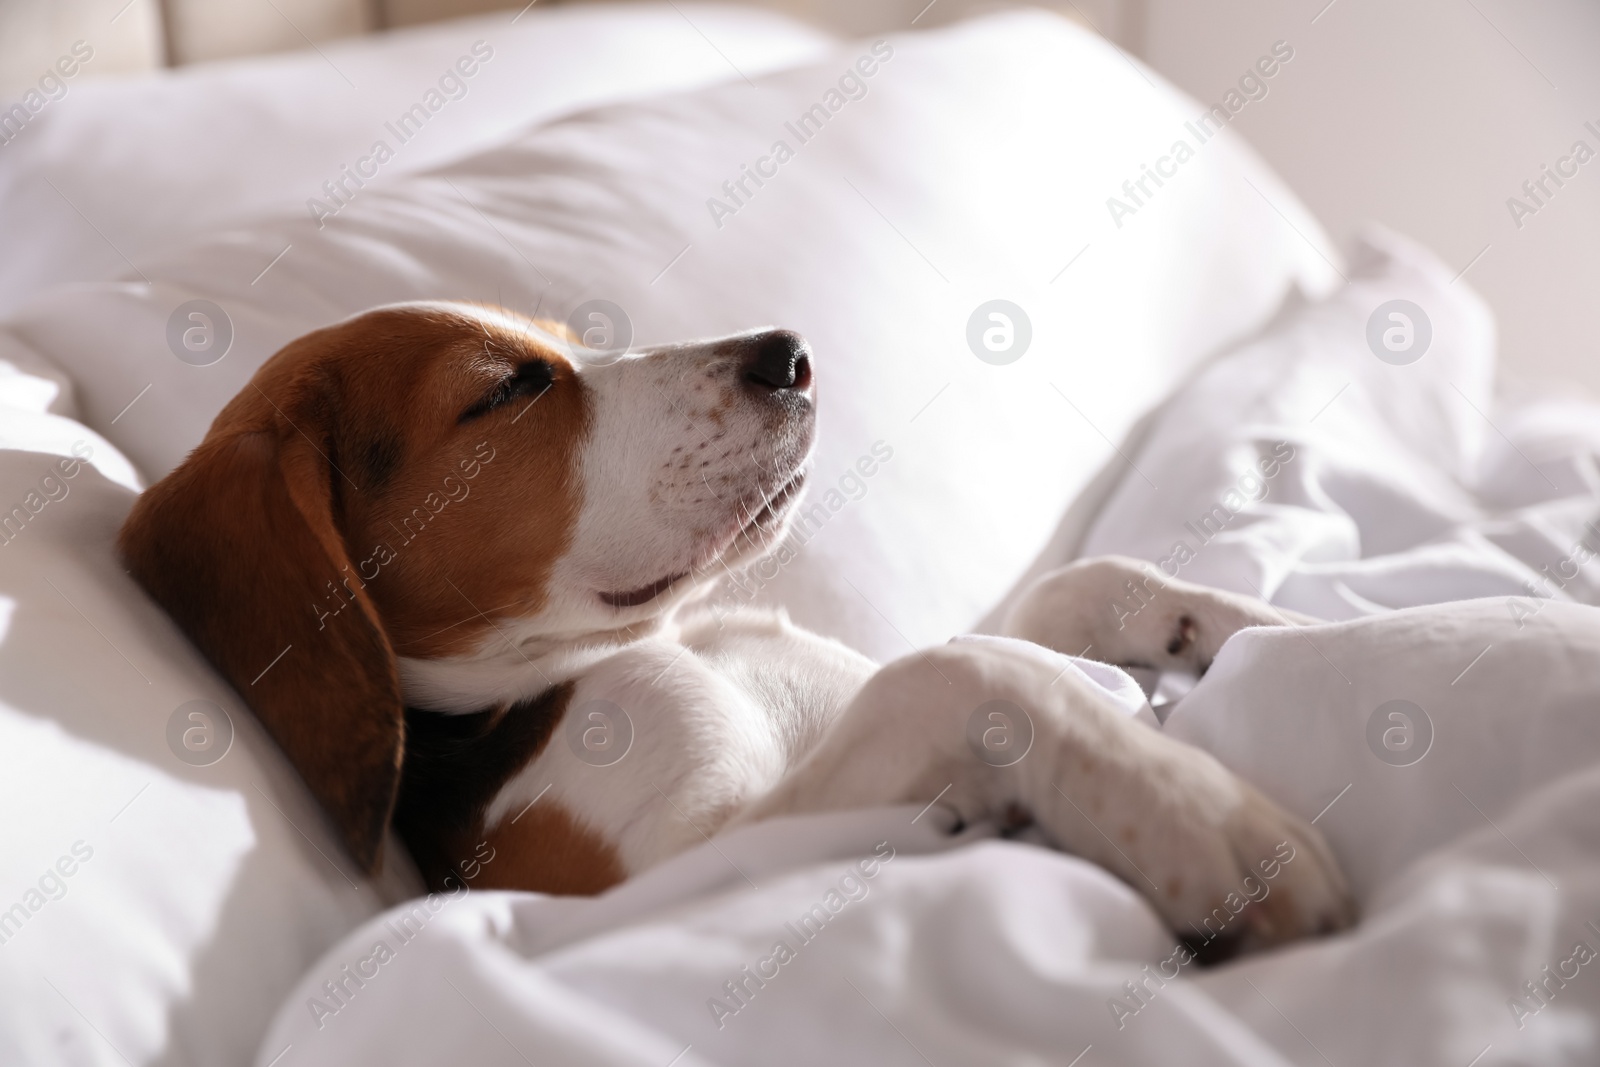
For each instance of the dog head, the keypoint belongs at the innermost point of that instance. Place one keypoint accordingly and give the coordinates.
(438, 483)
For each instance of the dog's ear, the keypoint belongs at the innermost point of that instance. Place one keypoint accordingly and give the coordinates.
(241, 545)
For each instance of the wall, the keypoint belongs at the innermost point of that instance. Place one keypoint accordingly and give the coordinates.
(1427, 115)
(125, 36)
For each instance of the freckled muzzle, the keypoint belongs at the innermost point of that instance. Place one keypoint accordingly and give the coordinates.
(719, 432)
(766, 401)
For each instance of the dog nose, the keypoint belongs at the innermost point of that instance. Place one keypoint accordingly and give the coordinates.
(778, 359)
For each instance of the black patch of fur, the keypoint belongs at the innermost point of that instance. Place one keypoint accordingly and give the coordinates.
(454, 766)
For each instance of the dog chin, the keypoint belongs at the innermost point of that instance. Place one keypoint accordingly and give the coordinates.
(761, 536)
(746, 545)
(769, 525)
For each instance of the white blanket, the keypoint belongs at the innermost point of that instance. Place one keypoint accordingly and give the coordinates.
(1449, 754)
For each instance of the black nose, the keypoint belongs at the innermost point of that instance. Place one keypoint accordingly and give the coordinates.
(778, 359)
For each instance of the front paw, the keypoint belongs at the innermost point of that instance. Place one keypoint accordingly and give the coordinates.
(1127, 612)
(1196, 622)
(1296, 890)
(1183, 646)
(1225, 867)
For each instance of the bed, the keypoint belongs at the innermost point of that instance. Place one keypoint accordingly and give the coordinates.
(1206, 384)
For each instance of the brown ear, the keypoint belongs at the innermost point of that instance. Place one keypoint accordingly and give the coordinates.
(240, 545)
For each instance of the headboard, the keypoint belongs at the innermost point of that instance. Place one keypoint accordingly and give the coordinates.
(128, 36)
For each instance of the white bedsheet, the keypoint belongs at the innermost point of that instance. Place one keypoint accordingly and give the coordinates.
(1470, 828)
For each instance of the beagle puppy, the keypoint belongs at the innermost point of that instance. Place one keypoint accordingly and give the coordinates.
(451, 561)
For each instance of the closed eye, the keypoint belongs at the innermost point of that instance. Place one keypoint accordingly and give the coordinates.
(530, 379)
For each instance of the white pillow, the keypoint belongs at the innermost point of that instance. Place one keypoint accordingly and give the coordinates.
(152, 908)
(134, 167)
(977, 166)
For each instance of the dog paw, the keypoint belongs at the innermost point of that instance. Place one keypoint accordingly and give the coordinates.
(1191, 631)
(1225, 867)
(1184, 636)
(1183, 648)
(1130, 613)
(1301, 890)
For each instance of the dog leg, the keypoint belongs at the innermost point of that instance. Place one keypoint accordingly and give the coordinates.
(1127, 612)
(1194, 839)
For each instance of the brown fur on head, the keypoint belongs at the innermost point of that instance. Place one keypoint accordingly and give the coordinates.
(265, 541)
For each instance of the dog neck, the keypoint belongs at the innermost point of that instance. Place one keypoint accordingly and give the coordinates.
(510, 666)
(519, 659)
